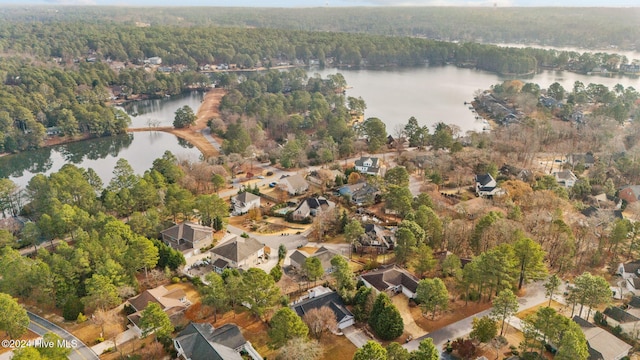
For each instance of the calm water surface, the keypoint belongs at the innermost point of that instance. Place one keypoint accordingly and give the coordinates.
(437, 94)
(140, 149)
(144, 113)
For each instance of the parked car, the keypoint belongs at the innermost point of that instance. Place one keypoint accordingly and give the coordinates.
(260, 177)
(273, 184)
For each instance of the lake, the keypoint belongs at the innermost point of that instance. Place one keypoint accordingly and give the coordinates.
(161, 112)
(139, 148)
(437, 93)
(431, 94)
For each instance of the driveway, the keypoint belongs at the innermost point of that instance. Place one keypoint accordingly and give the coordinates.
(410, 327)
(121, 338)
(79, 351)
(356, 336)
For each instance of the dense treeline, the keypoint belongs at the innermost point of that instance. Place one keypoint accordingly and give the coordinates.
(548, 26)
(100, 269)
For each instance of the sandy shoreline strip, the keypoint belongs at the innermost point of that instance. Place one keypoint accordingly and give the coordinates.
(209, 108)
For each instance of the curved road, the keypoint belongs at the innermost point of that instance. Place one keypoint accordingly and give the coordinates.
(80, 351)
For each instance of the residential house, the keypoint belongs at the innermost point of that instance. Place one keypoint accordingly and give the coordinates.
(172, 302)
(630, 273)
(368, 194)
(299, 257)
(376, 238)
(238, 253)
(201, 341)
(320, 297)
(244, 202)
(311, 207)
(293, 184)
(188, 237)
(391, 279)
(487, 186)
(615, 316)
(13, 224)
(156, 60)
(629, 193)
(602, 344)
(586, 159)
(565, 178)
(348, 190)
(368, 165)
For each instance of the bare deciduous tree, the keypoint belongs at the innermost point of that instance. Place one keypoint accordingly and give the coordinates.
(320, 320)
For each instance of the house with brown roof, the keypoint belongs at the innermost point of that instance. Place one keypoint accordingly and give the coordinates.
(376, 238)
(172, 302)
(201, 341)
(188, 237)
(238, 253)
(391, 279)
(293, 184)
(629, 193)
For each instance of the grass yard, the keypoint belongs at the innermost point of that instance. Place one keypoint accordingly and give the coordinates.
(457, 311)
(337, 347)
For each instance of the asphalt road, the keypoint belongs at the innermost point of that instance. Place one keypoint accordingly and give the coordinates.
(80, 351)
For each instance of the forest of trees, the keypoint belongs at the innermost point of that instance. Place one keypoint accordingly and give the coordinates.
(555, 26)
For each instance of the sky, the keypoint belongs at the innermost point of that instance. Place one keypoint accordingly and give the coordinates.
(334, 3)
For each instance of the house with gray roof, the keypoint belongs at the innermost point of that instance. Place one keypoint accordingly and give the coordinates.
(586, 159)
(602, 344)
(311, 207)
(299, 257)
(201, 341)
(238, 253)
(293, 184)
(188, 237)
(565, 178)
(330, 299)
(368, 165)
(391, 279)
(376, 238)
(244, 202)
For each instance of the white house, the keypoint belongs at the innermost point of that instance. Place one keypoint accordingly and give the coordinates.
(630, 274)
(156, 60)
(293, 184)
(244, 202)
(486, 185)
(565, 178)
(368, 165)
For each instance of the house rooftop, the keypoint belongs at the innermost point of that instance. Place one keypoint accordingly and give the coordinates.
(604, 344)
(391, 276)
(331, 300)
(484, 179)
(632, 267)
(202, 341)
(188, 231)
(246, 197)
(238, 249)
(619, 315)
(160, 295)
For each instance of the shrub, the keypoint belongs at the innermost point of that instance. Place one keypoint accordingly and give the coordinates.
(276, 273)
(99, 340)
(175, 280)
(81, 318)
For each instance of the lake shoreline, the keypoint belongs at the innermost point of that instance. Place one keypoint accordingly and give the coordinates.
(209, 108)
